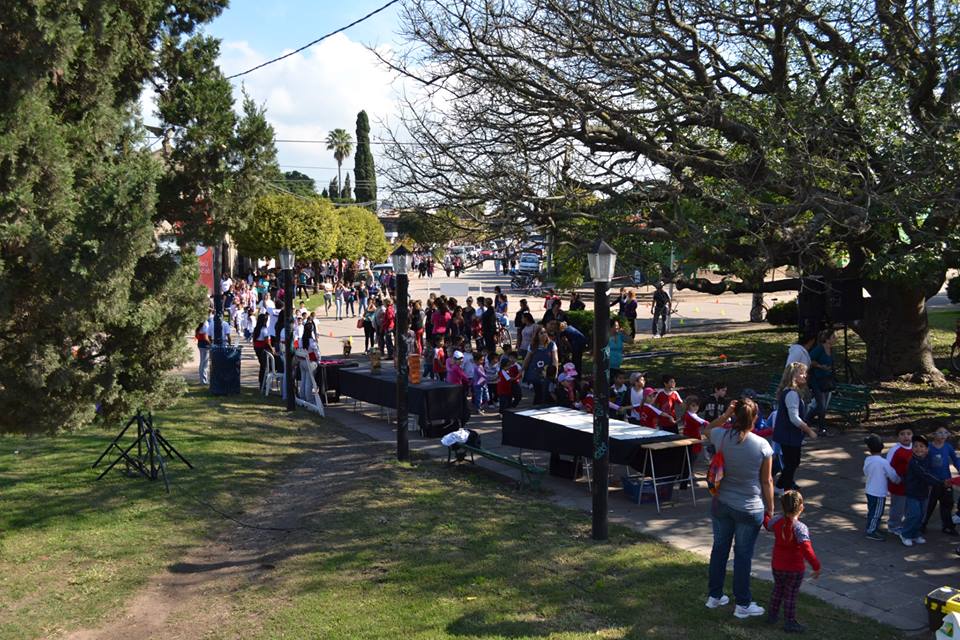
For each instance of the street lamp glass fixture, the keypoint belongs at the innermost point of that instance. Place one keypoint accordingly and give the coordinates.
(602, 259)
(402, 260)
(287, 258)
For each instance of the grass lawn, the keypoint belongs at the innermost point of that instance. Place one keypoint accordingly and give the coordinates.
(72, 549)
(895, 402)
(403, 551)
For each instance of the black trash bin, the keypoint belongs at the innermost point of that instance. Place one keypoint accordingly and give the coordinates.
(225, 370)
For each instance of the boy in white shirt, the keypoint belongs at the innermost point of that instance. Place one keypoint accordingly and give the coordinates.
(877, 471)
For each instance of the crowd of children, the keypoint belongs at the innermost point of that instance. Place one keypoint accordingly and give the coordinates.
(916, 475)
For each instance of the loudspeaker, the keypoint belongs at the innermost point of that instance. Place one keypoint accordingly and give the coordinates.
(845, 300)
(812, 306)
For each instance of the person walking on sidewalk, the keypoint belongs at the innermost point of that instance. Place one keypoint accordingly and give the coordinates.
(630, 313)
(660, 309)
(789, 428)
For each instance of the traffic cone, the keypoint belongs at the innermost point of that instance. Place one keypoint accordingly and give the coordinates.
(330, 334)
(717, 301)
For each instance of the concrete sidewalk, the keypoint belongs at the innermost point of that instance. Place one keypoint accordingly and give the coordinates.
(881, 580)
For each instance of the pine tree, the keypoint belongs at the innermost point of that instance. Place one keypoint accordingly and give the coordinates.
(347, 193)
(363, 169)
(219, 160)
(93, 311)
(325, 193)
(334, 189)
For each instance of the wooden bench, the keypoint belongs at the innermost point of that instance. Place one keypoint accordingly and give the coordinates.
(529, 474)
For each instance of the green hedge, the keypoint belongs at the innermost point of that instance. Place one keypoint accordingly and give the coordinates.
(783, 314)
(583, 321)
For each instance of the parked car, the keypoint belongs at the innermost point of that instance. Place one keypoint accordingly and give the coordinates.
(529, 263)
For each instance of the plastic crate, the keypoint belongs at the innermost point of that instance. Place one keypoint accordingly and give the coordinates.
(642, 493)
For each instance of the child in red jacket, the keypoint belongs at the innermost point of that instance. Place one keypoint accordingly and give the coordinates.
(899, 457)
(668, 401)
(790, 550)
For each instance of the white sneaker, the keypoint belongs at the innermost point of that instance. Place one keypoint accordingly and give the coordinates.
(956, 518)
(920, 540)
(753, 609)
(713, 603)
(907, 542)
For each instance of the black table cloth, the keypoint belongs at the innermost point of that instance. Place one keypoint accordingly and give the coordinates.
(327, 375)
(433, 401)
(570, 432)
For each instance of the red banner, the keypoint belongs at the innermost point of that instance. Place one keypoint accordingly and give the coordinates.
(205, 257)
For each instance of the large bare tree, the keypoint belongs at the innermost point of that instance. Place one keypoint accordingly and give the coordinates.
(820, 135)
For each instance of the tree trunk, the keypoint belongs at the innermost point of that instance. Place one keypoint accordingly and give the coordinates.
(895, 331)
(756, 308)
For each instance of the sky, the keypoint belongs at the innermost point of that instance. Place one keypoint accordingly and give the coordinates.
(321, 88)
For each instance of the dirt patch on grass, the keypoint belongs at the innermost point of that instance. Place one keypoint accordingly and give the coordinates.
(193, 597)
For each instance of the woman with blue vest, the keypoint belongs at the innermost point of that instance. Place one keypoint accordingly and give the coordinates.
(789, 429)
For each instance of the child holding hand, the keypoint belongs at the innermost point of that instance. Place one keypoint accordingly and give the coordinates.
(650, 415)
(791, 550)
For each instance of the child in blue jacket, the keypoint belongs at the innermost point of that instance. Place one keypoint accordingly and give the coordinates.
(941, 455)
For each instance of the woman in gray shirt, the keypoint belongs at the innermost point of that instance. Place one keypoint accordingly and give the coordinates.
(745, 493)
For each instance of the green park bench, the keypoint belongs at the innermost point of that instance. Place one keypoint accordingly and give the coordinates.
(530, 474)
(852, 401)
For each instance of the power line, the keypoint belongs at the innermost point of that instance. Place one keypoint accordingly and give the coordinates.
(310, 44)
(325, 142)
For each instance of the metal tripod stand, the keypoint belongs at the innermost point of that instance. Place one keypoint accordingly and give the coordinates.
(150, 445)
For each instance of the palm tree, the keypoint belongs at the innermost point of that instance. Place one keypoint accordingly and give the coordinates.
(341, 143)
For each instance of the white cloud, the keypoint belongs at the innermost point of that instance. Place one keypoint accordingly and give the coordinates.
(310, 93)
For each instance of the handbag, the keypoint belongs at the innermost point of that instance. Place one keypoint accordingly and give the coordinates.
(360, 322)
(715, 473)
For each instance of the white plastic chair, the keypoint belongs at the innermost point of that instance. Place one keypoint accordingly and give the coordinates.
(271, 377)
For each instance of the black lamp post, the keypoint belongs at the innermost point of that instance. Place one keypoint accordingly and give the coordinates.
(401, 259)
(287, 259)
(601, 260)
